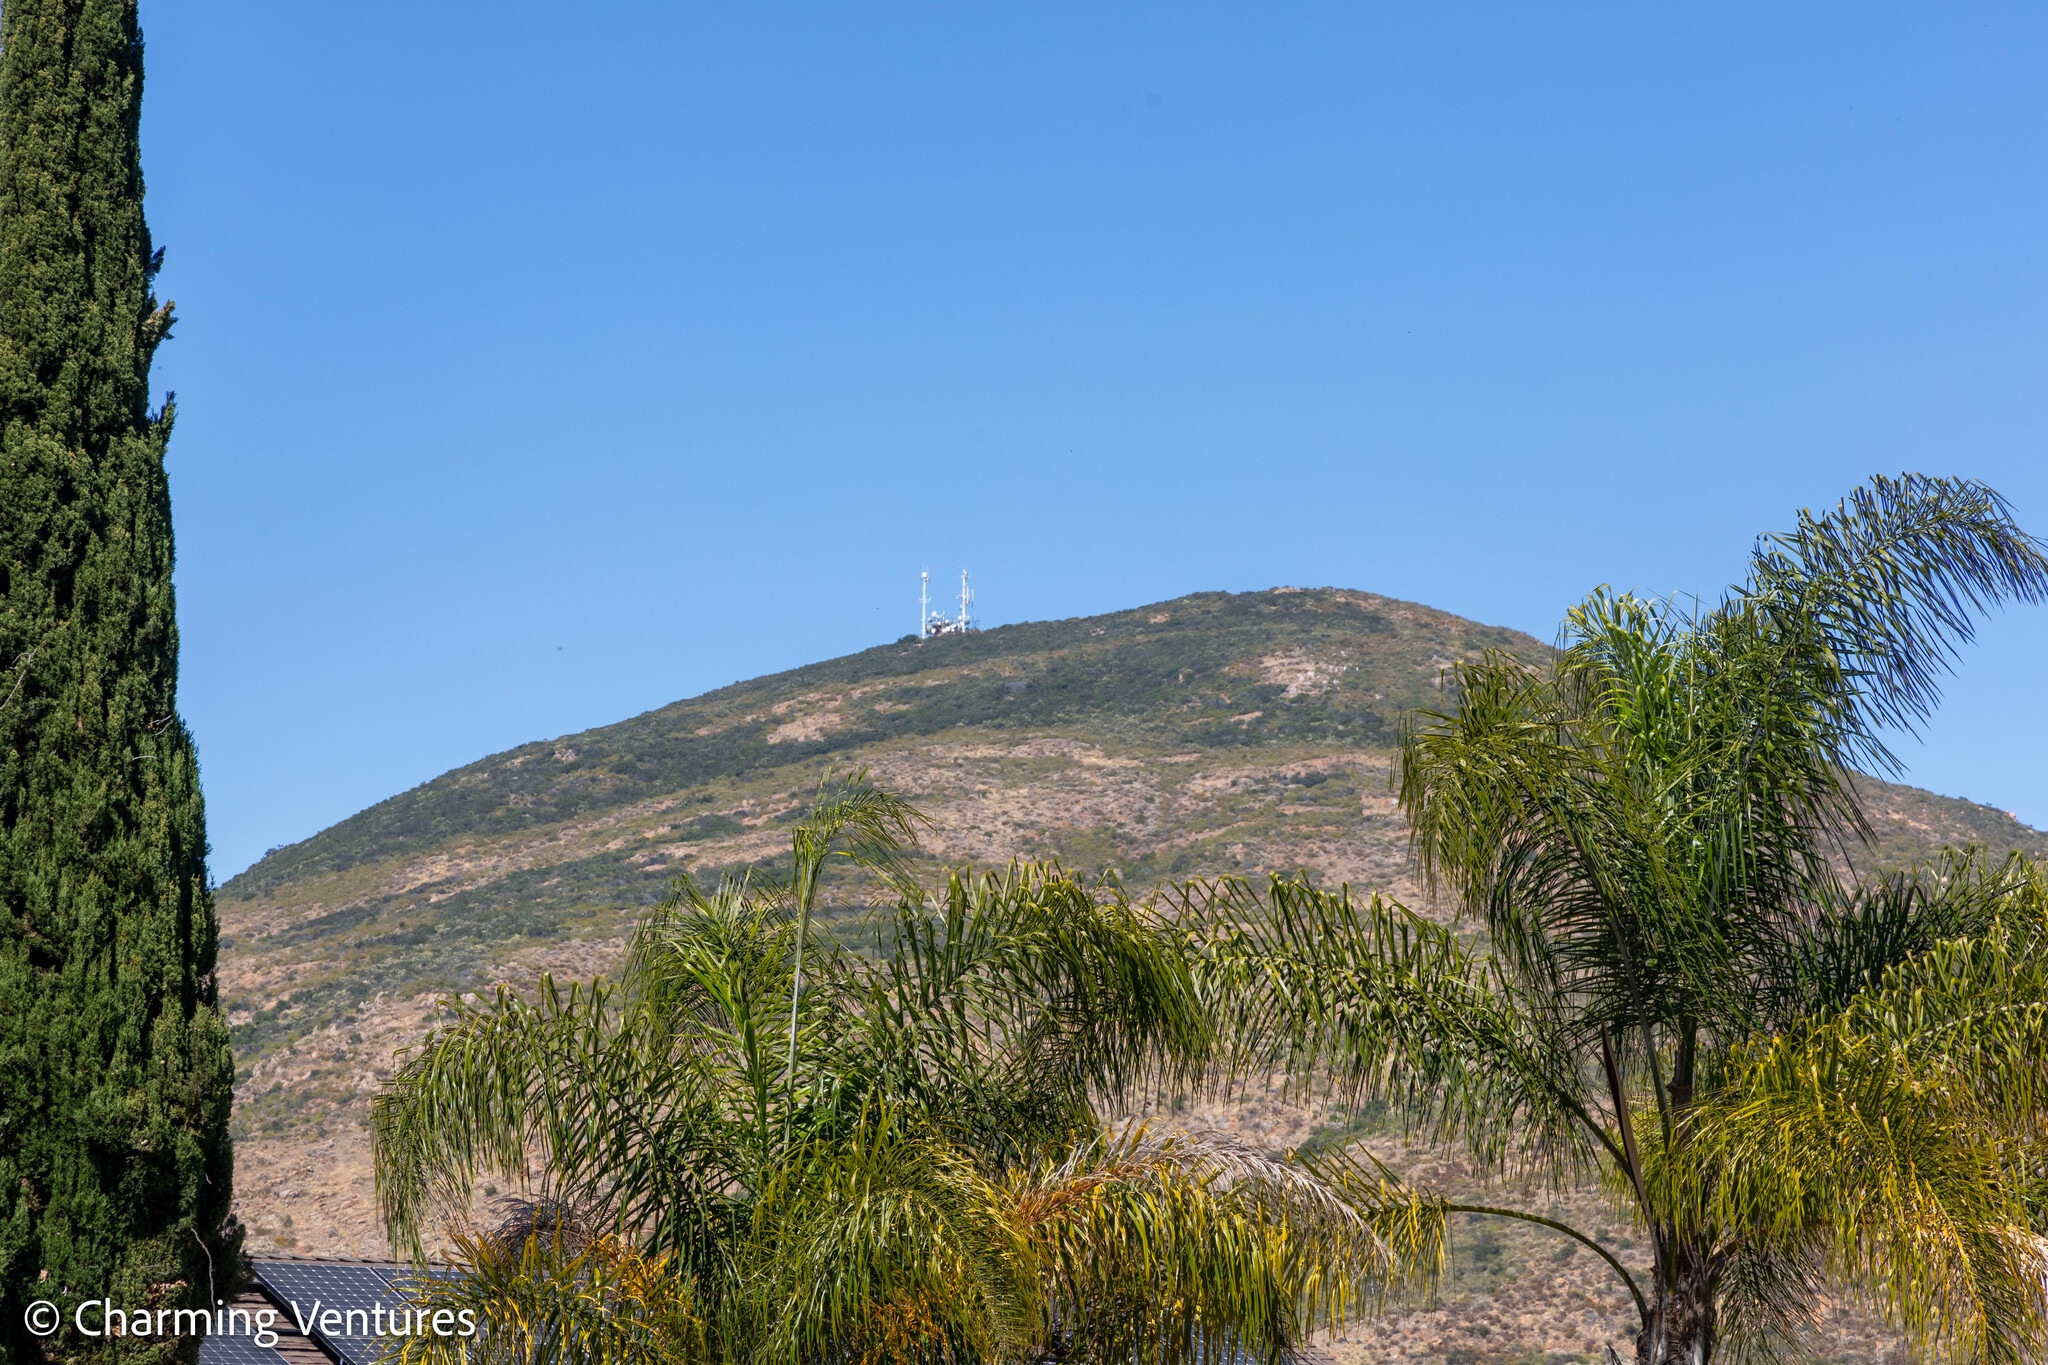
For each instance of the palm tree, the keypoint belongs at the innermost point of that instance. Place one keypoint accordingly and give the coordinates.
(928, 1172)
(1791, 1076)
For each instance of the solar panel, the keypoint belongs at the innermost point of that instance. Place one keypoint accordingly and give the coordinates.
(345, 1308)
(251, 1331)
(236, 1350)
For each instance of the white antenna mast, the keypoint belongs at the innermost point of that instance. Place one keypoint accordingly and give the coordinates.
(924, 604)
(966, 601)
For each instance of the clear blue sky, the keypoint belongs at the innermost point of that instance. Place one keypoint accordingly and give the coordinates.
(541, 364)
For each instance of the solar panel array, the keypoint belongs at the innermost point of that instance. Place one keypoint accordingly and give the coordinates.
(309, 1289)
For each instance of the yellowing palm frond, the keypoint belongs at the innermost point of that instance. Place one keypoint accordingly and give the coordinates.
(1892, 1144)
(861, 1237)
(549, 1300)
(1166, 1247)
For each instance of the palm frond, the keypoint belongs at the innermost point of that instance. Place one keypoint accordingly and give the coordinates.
(1393, 1007)
(1013, 1001)
(1890, 584)
(1856, 935)
(1890, 1143)
(546, 1300)
(615, 1120)
(883, 1243)
(1893, 582)
(1167, 1248)
(852, 818)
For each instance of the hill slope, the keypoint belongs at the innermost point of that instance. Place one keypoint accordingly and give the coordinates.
(1210, 734)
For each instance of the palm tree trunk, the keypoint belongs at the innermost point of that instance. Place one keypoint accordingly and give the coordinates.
(1681, 1330)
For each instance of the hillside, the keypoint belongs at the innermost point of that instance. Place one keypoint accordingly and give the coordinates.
(1211, 734)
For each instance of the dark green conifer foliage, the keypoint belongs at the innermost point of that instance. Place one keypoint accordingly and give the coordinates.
(115, 1071)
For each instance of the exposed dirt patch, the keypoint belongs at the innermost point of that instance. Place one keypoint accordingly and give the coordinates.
(811, 717)
(1300, 672)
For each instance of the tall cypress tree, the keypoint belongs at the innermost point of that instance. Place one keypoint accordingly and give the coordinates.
(115, 1071)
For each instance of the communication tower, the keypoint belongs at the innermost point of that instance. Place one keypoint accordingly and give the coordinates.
(931, 623)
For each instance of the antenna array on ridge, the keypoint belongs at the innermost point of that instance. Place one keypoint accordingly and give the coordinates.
(930, 623)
